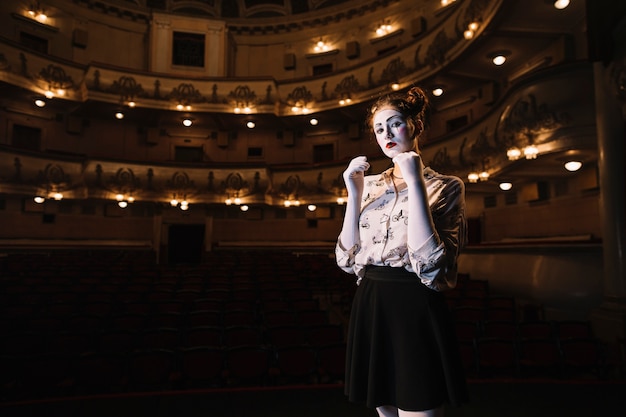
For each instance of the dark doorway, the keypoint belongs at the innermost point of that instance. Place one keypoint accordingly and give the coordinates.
(185, 243)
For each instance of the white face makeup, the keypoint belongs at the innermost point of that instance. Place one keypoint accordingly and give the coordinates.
(392, 132)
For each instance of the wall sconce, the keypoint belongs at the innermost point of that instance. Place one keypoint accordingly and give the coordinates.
(40, 102)
(473, 177)
(513, 154)
(245, 109)
(321, 46)
(123, 201)
(344, 101)
(311, 207)
(233, 200)
(529, 152)
(250, 124)
(290, 203)
(471, 30)
(119, 115)
(187, 121)
(39, 199)
(384, 29)
(35, 11)
(437, 91)
(182, 204)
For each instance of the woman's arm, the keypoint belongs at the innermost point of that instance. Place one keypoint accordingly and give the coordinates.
(354, 177)
(433, 243)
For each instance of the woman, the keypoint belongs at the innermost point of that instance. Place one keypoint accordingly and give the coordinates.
(401, 235)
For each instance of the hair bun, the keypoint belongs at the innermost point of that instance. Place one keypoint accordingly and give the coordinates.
(416, 99)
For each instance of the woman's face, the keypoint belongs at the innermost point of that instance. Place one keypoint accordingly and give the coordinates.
(392, 132)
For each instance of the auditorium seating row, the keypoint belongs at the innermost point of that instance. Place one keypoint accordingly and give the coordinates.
(69, 314)
(148, 370)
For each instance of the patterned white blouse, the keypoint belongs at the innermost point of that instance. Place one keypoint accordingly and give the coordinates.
(383, 230)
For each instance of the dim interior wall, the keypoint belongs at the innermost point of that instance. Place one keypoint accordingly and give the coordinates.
(275, 230)
(571, 216)
(565, 279)
(25, 226)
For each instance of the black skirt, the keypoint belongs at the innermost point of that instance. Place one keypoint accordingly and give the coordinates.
(402, 350)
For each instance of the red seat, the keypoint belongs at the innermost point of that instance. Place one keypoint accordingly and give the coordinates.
(201, 366)
(296, 364)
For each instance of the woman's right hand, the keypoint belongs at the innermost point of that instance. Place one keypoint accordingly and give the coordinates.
(354, 175)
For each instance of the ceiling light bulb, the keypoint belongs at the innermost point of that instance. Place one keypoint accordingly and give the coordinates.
(472, 177)
(573, 165)
(505, 186)
(173, 202)
(184, 207)
(119, 197)
(49, 94)
(468, 34)
(131, 104)
(340, 201)
(179, 107)
(499, 60)
(58, 196)
(561, 4)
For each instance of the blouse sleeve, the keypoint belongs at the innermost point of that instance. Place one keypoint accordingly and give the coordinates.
(346, 257)
(435, 262)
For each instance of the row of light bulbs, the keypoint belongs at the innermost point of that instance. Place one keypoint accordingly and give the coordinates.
(474, 177)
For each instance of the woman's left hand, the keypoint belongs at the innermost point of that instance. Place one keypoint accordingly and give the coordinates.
(410, 164)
